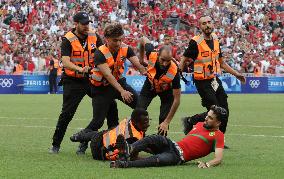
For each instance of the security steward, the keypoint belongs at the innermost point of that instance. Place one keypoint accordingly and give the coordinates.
(77, 51)
(107, 81)
(52, 70)
(205, 51)
(162, 80)
(103, 142)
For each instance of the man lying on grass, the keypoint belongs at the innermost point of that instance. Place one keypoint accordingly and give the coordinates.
(203, 139)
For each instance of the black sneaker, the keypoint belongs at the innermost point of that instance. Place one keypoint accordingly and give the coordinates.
(226, 147)
(79, 136)
(118, 164)
(82, 148)
(54, 150)
(187, 125)
(123, 147)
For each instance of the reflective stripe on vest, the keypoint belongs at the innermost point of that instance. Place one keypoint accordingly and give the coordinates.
(79, 56)
(116, 66)
(164, 82)
(125, 128)
(206, 65)
(77, 59)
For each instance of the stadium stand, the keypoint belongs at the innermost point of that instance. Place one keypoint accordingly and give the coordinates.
(251, 31)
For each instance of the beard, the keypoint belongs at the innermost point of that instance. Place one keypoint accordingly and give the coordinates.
(84, 33)
(208, 31)
(206, 126)
(162, 67)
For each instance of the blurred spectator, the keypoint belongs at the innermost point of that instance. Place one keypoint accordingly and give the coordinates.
(251, 30)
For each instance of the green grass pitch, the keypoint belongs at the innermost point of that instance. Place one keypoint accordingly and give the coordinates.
(255, 134)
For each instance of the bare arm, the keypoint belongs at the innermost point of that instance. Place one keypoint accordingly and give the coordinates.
(105, 70)
(142, 43)
(142, 53)
(163, 128)
(230, 70)
(216, 161)
(182, 62)
(135, 61)
(68, 64)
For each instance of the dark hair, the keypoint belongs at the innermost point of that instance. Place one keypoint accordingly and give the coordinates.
(113, 30)
(167, 36)
(137, 113)
(205, 15)
(221, 113)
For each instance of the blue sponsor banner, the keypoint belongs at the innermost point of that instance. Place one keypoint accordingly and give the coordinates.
(136, 82)
(36, 84)
(231, 84)
(255, 85)
(11, 84)
(276, 84)
(189, 87)
(39, 84)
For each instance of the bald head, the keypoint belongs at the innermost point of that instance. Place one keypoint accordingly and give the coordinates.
(165, 55)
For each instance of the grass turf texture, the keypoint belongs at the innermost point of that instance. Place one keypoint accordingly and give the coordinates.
(27, 124)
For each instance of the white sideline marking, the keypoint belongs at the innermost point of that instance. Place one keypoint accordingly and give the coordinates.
(82, 119)
(48, 127)
(276, 127)
(255, 135)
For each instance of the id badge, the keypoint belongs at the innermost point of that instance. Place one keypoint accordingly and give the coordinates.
(214, 84)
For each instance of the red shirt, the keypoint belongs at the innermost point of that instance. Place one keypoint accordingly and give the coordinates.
(199, 142)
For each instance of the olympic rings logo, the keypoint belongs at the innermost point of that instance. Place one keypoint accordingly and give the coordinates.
(6, 83)
(254, 83)
(137, 83)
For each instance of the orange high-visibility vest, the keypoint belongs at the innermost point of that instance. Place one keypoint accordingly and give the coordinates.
(165, 81)
(19, 69)
(206, 65)
(56, 65)
(116, 66)
(257, 71)
(79, 56)
(125, 128)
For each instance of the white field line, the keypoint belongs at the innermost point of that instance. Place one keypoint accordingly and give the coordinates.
(153, 121)
(49, 127)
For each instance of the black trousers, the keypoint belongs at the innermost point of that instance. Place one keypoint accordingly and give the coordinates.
(97, 148)
(73, 92)
(52, 83)
(210, 97)
(147, 95)
(164, 150)
(103, 97)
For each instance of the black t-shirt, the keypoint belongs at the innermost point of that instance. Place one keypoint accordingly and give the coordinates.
(53, 71)
(66, 48)
(100, 58)
(159, 72)
(192, 49)
(51, 62)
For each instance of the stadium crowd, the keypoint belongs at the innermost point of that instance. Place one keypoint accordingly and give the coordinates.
(251, 31)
